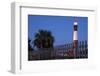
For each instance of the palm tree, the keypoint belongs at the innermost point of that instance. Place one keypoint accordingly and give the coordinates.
(43, 39)
(29, 46)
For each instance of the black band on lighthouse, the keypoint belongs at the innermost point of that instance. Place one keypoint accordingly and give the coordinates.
(75, 27)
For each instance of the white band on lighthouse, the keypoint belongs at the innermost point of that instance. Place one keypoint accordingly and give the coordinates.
(75, 23)
(75, 37)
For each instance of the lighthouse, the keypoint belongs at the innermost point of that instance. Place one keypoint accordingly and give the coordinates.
(75, 38)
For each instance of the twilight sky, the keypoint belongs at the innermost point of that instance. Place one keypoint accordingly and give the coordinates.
(60, 26)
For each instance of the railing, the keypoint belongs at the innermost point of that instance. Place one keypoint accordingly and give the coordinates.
(61, 52)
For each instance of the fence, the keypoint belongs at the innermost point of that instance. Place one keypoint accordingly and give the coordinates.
(60, 52)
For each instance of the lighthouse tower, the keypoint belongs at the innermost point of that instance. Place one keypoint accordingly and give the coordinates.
(75, 38)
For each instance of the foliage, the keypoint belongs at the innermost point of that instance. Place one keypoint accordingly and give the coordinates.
(43, 39)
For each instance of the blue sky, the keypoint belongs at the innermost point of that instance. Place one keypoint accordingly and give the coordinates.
(60, 26)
